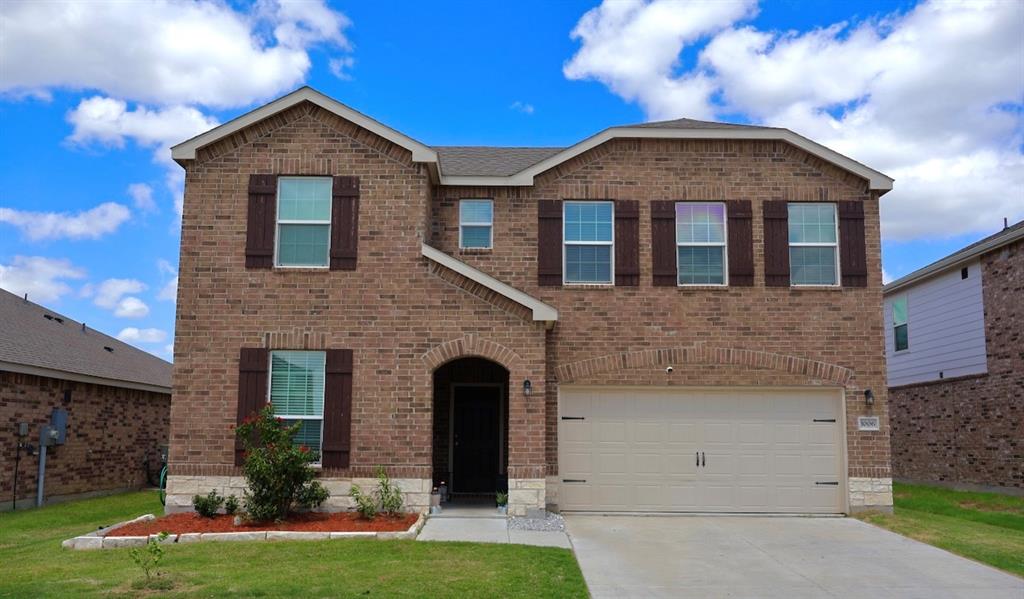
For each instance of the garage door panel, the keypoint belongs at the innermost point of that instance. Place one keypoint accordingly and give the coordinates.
(637, 450)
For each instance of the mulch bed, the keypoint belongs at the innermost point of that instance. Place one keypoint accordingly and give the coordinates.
(309, 522)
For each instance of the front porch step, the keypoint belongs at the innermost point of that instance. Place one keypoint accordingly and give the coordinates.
(469, 511)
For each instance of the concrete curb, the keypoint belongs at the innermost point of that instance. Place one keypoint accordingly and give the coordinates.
(98, 540)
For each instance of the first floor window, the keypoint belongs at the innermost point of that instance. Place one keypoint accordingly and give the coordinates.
(900, 336)
(588, 242)
(297, 392)
(813, 244)
(303, 221)
(700, 243)
(476, 223)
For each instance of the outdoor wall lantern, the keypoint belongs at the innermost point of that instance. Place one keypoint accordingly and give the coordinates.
(527, 387)
(869, 397)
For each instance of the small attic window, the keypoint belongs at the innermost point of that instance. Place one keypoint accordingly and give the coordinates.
(108, 348)
(963, 273)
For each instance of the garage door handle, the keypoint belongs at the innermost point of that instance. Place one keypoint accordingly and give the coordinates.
(696, 454)
(574, 480)
(830, 483)
(824, 419)
(703, 461)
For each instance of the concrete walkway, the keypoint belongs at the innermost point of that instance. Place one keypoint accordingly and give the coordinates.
(791, 558)
(487, 530)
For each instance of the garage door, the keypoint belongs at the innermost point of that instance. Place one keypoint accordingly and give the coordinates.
(729, 450)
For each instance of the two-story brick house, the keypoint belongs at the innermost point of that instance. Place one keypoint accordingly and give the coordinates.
(676, 316)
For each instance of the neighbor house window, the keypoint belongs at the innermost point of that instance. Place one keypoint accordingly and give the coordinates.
(588, 242)
(303, 221)
(700, 243)
(900, 334)
(813, 246)
(476, 224)
(297, 392)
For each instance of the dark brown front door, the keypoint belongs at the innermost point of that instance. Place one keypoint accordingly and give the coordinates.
(476, 438)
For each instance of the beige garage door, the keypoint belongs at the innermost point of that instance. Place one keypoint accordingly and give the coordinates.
(728, 450)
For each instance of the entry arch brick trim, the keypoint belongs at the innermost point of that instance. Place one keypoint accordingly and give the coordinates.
(702, 354)
(471, 346)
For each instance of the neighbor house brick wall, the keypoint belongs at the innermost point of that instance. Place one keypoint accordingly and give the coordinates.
(970, 431)
(111, 433)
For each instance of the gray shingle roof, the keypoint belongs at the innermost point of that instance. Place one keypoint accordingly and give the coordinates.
(32, 335)
(693, 124)
(489, 161)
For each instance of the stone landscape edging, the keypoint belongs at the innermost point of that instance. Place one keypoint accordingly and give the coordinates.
(99, 540)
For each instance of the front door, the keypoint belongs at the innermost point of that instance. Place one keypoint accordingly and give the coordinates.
(475, 439)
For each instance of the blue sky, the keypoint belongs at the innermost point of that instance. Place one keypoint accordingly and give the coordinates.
(930, 93)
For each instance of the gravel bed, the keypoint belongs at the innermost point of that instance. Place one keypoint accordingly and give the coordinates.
(553, 522)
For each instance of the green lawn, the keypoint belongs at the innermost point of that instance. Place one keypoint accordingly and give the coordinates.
(983, 526)
(35, 565)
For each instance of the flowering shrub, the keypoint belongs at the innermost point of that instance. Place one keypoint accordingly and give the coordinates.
(279, 476)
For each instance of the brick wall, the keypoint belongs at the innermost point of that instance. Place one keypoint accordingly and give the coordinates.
(111, 432)
(968, 431)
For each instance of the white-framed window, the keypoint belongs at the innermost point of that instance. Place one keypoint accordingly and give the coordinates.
(813, 244)
(588, 255)
(900, 330)
(701, 254)
(476, 224)
(297, 381)
(303, 222)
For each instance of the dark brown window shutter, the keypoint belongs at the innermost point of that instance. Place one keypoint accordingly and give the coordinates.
(337, 440)
(252, 388)
(663, 244)
(549, 243)
(344, 223)
(853, 262)
(627, 243)
(261, 221)
(741, 243)
(776, 243)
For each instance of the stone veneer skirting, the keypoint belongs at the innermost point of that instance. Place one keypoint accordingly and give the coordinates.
(526, 496)
(870, 494)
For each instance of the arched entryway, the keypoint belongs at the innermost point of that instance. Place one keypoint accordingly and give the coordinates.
(470, 438)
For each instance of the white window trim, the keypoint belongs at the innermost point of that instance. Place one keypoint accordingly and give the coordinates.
(906, 323)
(489, 224)
(270, 378)
(839, 275)
(566, 243)
(278, 222)
(724, 245)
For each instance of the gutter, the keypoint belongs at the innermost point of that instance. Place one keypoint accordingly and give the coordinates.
(81, 378)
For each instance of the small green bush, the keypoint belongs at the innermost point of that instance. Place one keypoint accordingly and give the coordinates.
(149, 557)
(389, 495)
(366, 505)
(208, 506)
(231, 505)
(501, 498)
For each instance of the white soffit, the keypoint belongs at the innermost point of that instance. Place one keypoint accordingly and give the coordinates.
(541, 311)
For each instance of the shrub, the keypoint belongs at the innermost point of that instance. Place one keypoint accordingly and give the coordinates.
(149, 557)
(208, 506)
(366, 505)
(279, 476)
(231, 505)
(389, 495)
(501, 498)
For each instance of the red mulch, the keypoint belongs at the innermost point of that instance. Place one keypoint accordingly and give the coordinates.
(309, 522)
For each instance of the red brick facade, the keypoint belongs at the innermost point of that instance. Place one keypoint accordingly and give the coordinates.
(111, 433)
(404, 316)
(970, 430)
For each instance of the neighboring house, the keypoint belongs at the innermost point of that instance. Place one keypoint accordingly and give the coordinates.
(667, 317)
(955, 350)
(117, 400)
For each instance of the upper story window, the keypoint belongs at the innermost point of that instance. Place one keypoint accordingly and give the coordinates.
(476, 224)
(303, 221)
(700, 243)
(297, 392)
(900, 332)
(588, 242)
(813, 244)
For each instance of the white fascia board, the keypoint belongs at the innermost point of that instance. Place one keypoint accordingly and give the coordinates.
(952, 261)
(541, 311)
(187, 149)
(878, 181)
(80, 378)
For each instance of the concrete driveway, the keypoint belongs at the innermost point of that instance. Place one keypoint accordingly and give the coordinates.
(791, 558)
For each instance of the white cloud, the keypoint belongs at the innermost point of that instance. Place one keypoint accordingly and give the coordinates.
(142, 196)
(43, 279)
(932, 97)
(522, 107)
(109, 292)
(165, 51)
(886, 277)
(341, 66)
(131, 307)
(87, 224)
(135, 335)
(169, 292)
